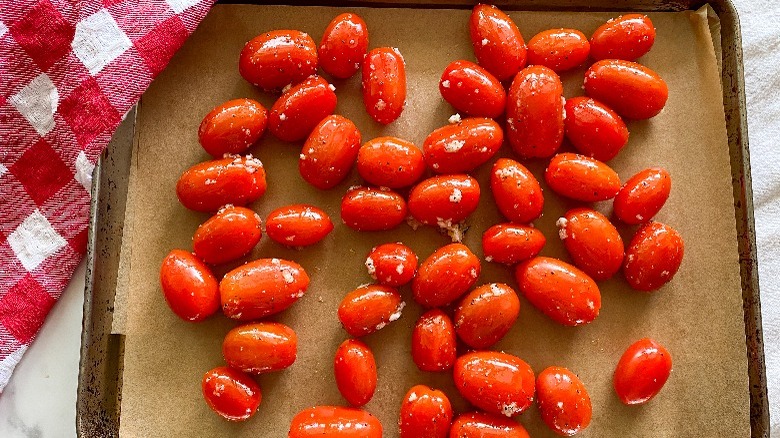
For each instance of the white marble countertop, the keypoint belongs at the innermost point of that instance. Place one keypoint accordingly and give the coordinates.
(40, 400)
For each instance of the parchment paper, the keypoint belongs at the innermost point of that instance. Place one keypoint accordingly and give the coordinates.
(698, 317)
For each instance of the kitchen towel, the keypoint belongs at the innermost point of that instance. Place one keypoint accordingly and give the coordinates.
(69, 71)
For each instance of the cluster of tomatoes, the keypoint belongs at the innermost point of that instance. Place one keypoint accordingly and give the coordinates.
(537, 119)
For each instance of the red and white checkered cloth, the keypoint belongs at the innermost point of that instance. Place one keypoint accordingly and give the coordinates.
(69, 71)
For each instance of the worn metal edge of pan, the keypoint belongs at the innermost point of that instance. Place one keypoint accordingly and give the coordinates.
(98, 398)
(733, 82)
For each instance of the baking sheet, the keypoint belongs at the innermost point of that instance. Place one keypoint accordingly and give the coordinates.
(698, 316)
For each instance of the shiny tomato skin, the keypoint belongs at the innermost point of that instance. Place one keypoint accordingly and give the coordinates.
(516, 191)
(390, 162)
(643, 196)
(642, 372)
(592, 242)
(384, 84)
(445, 275)
(497, 42)
(594, 129)
(653, 257)
(434, 345)
(472, 90)
(334, 422)
(511, 244)
(581, 178)
(626, 37)
(355, 370)
(372, 209)
(482, 425)
(228, 235)
(232, 394)
(301, 108)
(212, 184)
(344, 45)
(498, 383)
(462, 147)
(189, 287)
(442, 200)
(330, 152)
(563, 401)
(425, 413)
(392, 264)
(232, 127)
(262, 288)
(534, 113)
(278, 58)
(369, 308)
(558, 49)
(298, 225)
(632, 90)
(564, 293)
(486, 314)
(260, 347)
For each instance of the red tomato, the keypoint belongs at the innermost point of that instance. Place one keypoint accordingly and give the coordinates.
(228, 235)
(446, 275)
(392, 264)
(371, 209)
(516, 191)
(486, 314)
(384, 84)
(642, 372)
(433, 342)
(559, 290)
(498, 383)
(632, 90)
(626, 37)
(189, 286)
(444, 200)
(278, 58)
(472, 90)
(369, 308)
(534, 113)
(298, 225)
(563, 401)
(510, 243)
(329, 152)
(344, 45)
(461, 147)
(261, 288)
(558, 49)
(390, 162)
(643, 196)
(481, 425)
(260, 347)
(230, 393)
(653, 257)
(592, 242)
(212, 184)
(355, 370)
(425, 413)
(301, 108)
(594, 129)
(498, 44)
(581, 178)
(334, 422)
(232, 127)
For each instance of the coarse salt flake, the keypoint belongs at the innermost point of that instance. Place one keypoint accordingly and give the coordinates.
(456, 196)
(561, 223)
(371, 267)
(282, 117)
(454, 146)
(445, 84)
(455, 118)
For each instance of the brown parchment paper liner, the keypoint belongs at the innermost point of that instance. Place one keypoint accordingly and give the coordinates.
(698, 317)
